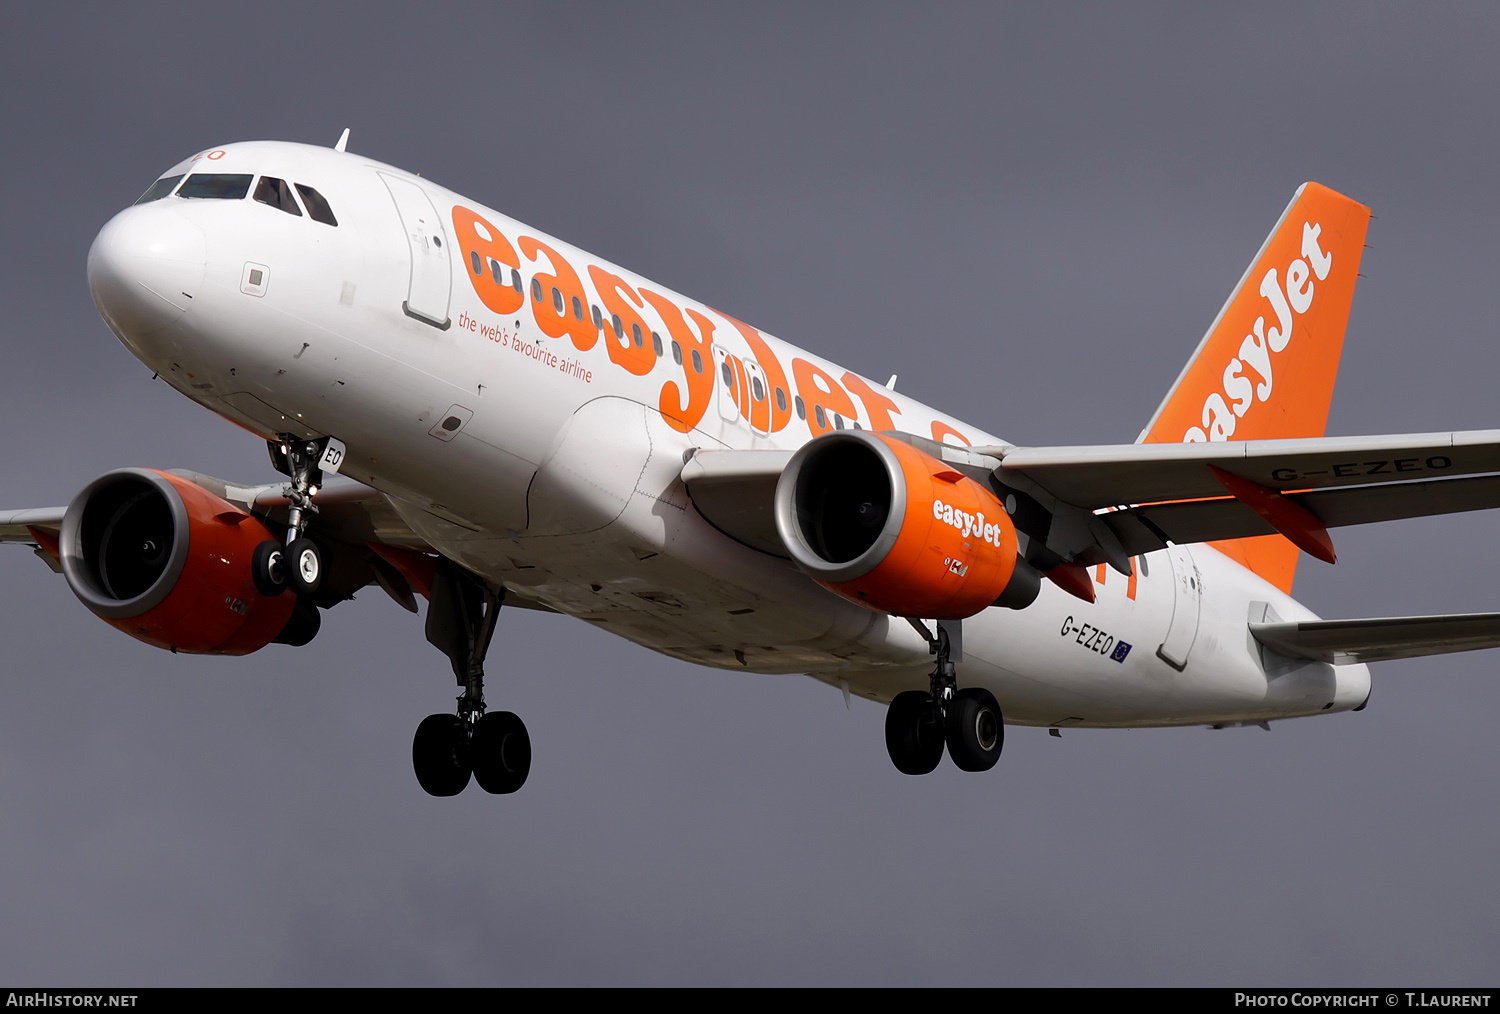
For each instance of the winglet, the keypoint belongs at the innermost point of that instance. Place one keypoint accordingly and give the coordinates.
(343, 141)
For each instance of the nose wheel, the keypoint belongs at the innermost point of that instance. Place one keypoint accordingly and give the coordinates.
(494, 748)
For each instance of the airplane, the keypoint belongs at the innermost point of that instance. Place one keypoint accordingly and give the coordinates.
(468, 411)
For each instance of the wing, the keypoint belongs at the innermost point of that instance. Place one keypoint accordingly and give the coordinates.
(1341, 642)
(736, 492)
(1108, 503)
(1112, 475)
(364, 538)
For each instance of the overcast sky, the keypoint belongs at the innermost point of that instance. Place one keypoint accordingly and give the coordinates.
(1031, 215)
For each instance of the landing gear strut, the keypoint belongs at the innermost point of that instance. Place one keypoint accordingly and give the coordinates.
(300, 565)
(493, 746)
(968, 722)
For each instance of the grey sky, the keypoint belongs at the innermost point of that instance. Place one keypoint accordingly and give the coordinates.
(1030, 215)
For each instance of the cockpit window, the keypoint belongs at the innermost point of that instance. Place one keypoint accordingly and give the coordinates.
(159, 189)
(277, 194)
(317, 207)
(219, 186)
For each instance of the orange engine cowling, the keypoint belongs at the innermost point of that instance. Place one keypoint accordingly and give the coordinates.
(893, 528)
(168, 563)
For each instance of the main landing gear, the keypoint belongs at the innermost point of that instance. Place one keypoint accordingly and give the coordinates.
(494, 747)
(968, 722)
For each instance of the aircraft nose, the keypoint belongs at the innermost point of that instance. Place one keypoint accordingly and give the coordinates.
(145, 267)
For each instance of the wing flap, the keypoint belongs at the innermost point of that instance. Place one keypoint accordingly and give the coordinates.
(1149, 528)
(1341, 642)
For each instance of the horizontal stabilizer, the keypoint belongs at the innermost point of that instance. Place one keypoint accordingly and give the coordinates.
(1342, 642)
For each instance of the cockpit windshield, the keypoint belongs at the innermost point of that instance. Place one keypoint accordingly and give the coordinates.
(317, 205)
(277, 194)
(159, 189)
(218, 186)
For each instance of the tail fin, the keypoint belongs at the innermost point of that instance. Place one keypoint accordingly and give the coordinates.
(1267, 365)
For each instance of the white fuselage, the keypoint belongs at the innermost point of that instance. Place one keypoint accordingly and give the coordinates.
(550, 462)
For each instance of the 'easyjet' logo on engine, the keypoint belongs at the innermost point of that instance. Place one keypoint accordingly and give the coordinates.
(1221, 410)
(968, 524)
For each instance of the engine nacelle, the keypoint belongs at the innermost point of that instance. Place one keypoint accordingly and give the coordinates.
(895, 529)
(168, 563)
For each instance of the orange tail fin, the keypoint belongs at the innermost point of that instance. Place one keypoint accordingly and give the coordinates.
(1266, 367)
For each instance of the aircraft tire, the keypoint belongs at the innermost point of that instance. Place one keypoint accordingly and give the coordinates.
(268, 568)
(304, 566)
(976, 730)
(440, 755)
(913, 736)
(501, 752)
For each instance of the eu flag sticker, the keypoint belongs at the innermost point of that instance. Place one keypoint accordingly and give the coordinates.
(1121, 650)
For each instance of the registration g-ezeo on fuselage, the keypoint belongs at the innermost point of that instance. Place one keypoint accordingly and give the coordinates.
(515, 422)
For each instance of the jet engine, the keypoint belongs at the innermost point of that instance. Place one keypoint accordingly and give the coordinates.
(169, 563)
(892, 528)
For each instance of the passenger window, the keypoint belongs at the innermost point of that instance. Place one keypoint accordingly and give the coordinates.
(757, 389)
(801, 407)
(656, 344)
(635, 334)
(277, 194)
(619, 328)
(159, 189)
(727, 372)
(474, 262)
(577, 308)
(677, 353)
(598, 318)
(536, 290)
(697, 362)
(495, 272)
(317, 205)
(822, 419)
(557, 300)
(780, 400)
(515, 280)
(217, 186)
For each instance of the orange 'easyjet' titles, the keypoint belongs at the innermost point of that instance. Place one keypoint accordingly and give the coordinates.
(819, 390)
(778, 412)
(941, 431)
(877, 406)
(626, 333)
(480, 244)
(572, 317)
(697, 364)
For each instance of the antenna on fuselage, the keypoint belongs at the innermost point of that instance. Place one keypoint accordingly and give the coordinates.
(343, 141)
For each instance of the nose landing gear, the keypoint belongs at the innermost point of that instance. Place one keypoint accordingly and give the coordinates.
(495, 747)
(301, 564)
(968, 722)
